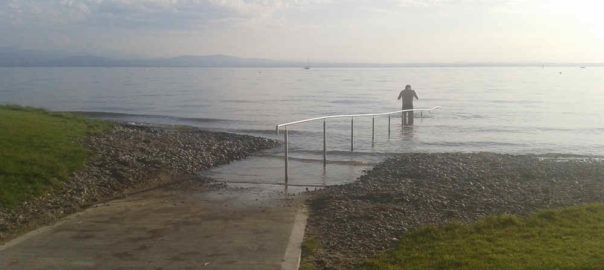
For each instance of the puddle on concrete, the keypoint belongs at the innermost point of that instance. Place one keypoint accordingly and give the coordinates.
(267, 172)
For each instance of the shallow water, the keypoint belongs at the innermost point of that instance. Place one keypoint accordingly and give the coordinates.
(498, 109)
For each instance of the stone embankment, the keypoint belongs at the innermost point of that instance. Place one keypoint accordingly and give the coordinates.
(127, 159)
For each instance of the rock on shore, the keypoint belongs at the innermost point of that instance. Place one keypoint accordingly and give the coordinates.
(362, 219)
(127, 159)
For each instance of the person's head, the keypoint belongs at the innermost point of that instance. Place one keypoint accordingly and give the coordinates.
(408, 87)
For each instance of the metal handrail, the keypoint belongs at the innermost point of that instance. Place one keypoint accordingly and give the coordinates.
(352, 116)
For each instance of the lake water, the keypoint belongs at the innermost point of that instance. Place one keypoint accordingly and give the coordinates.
(498, 109)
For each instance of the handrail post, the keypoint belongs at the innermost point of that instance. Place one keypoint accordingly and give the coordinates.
(285, 135)
(388, 126)
(372, 131)
(352, 116)
(351, 134)
(324, 146)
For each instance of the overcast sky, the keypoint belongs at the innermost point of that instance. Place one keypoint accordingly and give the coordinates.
(318, 30)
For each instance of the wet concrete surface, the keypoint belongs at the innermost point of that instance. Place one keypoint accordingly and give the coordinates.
(308, 171)
(183, 226)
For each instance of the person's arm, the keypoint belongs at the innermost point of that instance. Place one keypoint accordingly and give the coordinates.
(415, 94)
(400, 95)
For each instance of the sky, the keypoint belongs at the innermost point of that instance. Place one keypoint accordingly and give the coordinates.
(389, 31)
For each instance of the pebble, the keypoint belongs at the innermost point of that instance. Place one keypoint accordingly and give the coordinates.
(416, 189)
(129, 157)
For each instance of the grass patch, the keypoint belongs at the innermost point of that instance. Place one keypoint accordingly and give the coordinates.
(39, 149)
(310, 247)
(568, 238)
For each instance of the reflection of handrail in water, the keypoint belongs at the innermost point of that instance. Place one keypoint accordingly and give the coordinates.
(310, 160)
(352, 116)
(269, 183)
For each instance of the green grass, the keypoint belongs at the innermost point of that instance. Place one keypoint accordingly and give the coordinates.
(310, 247)
(569, 238)
(39, 149)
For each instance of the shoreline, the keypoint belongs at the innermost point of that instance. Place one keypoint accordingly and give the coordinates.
(354, 222)
(126, 160)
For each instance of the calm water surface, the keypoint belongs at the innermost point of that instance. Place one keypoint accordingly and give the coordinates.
(500, 109)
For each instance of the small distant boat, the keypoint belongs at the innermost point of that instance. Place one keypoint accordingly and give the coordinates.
(307, 65)
(583, 67)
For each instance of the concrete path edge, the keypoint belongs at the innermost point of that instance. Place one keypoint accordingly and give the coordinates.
(293, 252)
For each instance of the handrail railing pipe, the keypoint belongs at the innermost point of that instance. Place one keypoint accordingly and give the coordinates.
(372, 131)
(352, 116)
(286, 153)
(351, 134)
(324, 145)
(389, 127)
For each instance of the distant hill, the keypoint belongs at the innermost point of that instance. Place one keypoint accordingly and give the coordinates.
(10, 57)
(216, 61)
(27, 58)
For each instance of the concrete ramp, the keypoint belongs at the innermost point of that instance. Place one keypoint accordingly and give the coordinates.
(184, 226)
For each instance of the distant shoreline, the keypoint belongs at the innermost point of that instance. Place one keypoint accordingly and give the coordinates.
(19, 58)
(444, 65)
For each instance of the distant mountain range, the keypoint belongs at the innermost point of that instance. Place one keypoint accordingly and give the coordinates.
(29, 58)
(26, 58)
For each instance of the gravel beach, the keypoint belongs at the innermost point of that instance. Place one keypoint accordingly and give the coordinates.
(127, 159)
(362, 219)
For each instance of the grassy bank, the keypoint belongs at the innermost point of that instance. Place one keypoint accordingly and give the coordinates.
(39, 149)
(362, 220)
(568, 238)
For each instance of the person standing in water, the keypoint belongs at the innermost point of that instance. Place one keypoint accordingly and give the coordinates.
(407, 95)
